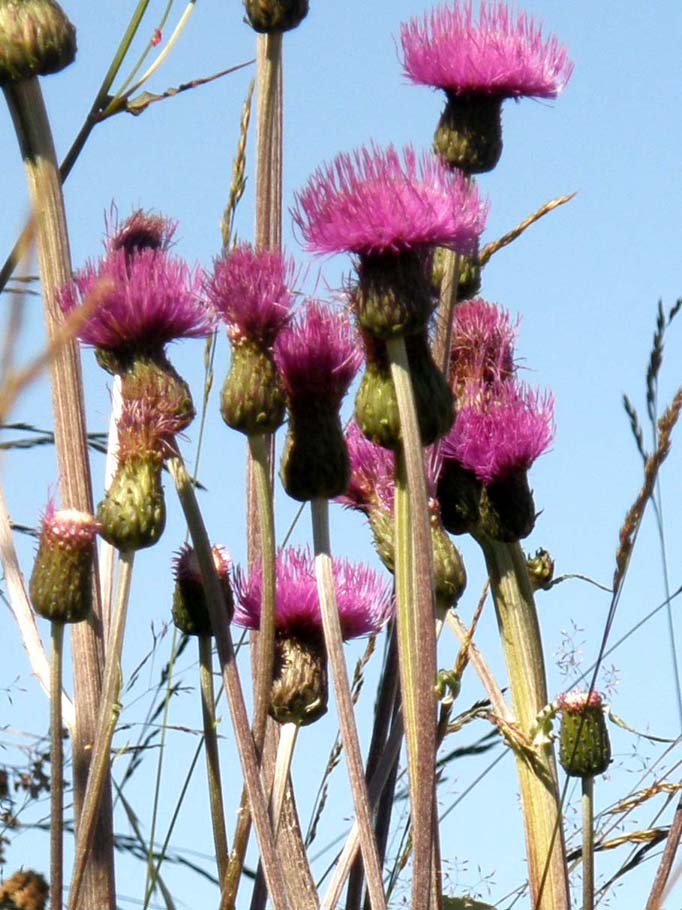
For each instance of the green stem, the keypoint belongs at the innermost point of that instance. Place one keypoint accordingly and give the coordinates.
(416, 623)
(215, 788)
(269, 143)
(344, 702)
(108, 719)
(262, 530)
(588, 842)
(32, 126)
(522, 645)
(446, 310)
(247, 750)
(56, 770)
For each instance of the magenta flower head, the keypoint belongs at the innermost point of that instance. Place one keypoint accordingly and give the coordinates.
(299, 688)
(499, 432)
(61, 582)
(250, 290)
(318, 356)
(190, 609)
(483, 341)
(141, 301)
(390, 210)
(478, 64)
(584, 746)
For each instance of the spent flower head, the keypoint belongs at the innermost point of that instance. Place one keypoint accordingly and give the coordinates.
(502, 53)
(500, 429)
(250, 290)
(376, 201)
(318, 354)
(364, 598)
(141, 231)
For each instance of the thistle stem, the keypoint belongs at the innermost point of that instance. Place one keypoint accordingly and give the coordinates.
(446, 310)
(215, 789)
(416, 618)
(247, 750)
(588, 841)
(108, 719)
(285, 754)
(32, 126)
(349, 734)
(56, 770)
(522, 645)
(262, 529)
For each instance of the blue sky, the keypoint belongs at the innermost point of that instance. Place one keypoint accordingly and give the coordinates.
(585, 280)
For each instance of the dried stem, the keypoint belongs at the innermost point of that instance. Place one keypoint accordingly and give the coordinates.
(35, 140)
(56, 770)
(108, 719)
(349, 734)
(215, 789)
(508, 238)
(416, 622)
(446, 309)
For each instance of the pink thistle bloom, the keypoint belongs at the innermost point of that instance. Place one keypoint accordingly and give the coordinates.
(372, 481)
(373, 202)
(502, 55)
(146, 430)
(483, 342)
(318, 354)
(142, 301)
(68, 528)
(577, 701)
(364, 599)
(500, 429)
(250, 291)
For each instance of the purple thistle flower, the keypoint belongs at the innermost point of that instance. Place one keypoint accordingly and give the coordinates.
(483, 342)
(318, 354)
(364, 599)
(372, 483)
(502, 55)
(250, 291)
(373, 201)
(143, 300)
(500, 429)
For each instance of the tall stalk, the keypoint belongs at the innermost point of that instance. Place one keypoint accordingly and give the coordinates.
(522, 645)
(32, 126)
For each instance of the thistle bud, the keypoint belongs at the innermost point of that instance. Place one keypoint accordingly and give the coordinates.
(190, 609)
(274, 16)
(61, 583)
(132, 514)
(540, 570)
(252, 399)
(299, 692)
(25, 890)
(584, 747)
(36, 38)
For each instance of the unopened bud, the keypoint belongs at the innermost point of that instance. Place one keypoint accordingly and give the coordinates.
(36, 38)
(584, 747)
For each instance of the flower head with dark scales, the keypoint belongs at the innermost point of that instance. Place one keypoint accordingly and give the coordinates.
(364, 598)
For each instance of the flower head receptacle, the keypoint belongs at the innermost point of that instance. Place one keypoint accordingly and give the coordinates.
(389, 209)
(36, 38)
(250, 291)
(190, 609)
(299, 690)
(61, 582)
(584, 746)
(275, 16)
(318, 357)
(479, 63)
